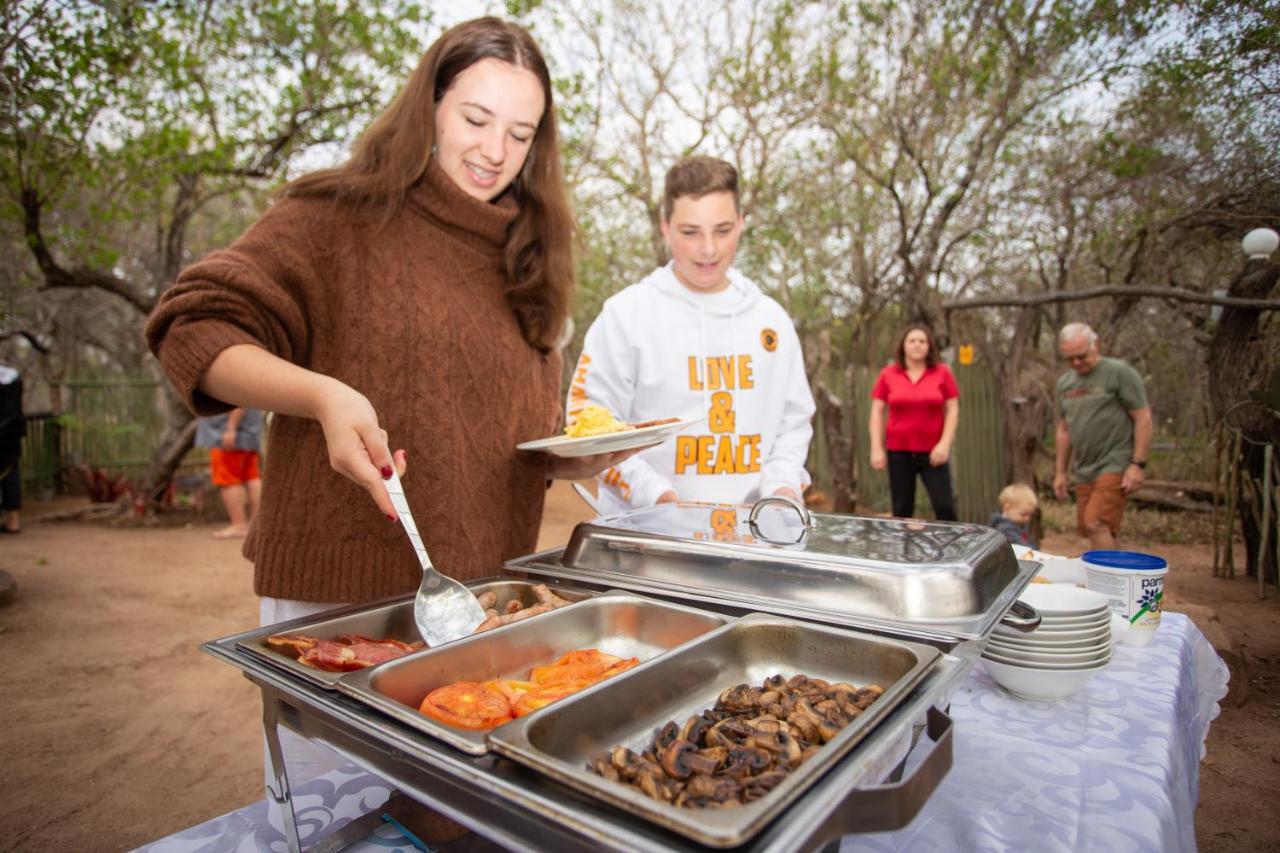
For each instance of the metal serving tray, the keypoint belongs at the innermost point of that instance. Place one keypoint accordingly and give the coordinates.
(930, 580)
(389, 619)
(562, 739)
(615, 623)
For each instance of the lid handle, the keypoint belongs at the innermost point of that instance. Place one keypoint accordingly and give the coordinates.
(806, 518)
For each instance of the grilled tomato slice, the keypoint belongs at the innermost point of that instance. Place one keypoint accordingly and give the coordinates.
(544, 696)
(467, 705)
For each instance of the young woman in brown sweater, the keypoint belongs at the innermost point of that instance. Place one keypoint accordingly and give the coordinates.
(413, 295)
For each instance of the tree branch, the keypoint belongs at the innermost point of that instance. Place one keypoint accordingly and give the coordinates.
(56, 276)
(30, 337)
(1176, 294)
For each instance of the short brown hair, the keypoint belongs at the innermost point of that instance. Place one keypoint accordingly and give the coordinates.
(696, 177)
(900, 348)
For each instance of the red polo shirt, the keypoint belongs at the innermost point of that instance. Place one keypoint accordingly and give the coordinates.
(916, 409)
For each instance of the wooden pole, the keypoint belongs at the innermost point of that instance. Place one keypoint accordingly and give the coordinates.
(1233, 479)
(1266, 521)
(1217, 487)
(1275, 498)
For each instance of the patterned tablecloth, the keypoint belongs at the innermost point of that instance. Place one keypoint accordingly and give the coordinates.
(1114, 767)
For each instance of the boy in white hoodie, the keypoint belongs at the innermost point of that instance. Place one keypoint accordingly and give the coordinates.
(696, 338)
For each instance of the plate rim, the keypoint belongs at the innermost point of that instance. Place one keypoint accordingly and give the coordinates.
(556, 442)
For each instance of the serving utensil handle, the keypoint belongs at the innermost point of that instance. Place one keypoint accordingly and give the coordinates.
(401, 503)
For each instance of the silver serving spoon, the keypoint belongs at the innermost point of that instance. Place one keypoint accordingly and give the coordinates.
(444, 609)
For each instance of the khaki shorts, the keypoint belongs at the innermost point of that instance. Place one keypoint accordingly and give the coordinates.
(1100, 502)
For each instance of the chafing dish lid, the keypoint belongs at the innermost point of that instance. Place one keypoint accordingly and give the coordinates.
(934, 579)
(832, 539)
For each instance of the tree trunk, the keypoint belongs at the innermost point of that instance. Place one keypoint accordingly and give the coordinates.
(1023, 403)
(179, 436)
(839, 449)
(168, 456)
(1235, 367)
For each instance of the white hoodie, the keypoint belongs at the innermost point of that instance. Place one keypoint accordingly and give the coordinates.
(660, 350)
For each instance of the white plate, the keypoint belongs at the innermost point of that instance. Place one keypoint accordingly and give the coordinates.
(1063, 570)
(1064, 600)
(1075, 623)
(590, 445)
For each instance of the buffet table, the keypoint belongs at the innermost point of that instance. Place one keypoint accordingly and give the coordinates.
(1114, 767)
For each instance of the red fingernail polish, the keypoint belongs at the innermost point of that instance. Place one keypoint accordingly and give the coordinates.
(386, 472)
(391, 518)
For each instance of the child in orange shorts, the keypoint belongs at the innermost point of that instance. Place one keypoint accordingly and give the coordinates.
(234, 441)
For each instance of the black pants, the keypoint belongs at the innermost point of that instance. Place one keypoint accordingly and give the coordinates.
(10, 473)
(903, 468)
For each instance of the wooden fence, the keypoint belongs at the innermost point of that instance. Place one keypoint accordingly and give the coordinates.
(977, 459)
(115, 424)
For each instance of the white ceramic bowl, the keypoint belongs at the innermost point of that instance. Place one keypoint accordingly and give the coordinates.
(1095, 620)
(1050, 666)
(1039, 685)
(1063, 600)
(1099, 615)
(1053, 633)
(1020, 656)
(1055, 638)
(1036, 644)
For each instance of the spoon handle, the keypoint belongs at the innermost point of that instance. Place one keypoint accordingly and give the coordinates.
(401, 503)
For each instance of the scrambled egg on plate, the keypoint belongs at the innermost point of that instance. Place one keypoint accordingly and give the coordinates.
(594, 420)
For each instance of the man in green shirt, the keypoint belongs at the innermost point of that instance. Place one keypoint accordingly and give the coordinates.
(1104, 422)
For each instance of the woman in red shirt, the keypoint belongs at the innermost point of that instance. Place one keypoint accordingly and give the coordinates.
(924, 408)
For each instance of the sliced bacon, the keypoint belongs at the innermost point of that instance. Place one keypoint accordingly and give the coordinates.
(346, 653)
(331, 657)
(292, 645)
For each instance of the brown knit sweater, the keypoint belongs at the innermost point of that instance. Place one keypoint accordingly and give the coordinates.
(411, 315)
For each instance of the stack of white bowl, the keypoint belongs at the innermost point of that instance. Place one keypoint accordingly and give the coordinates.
(1055, 660)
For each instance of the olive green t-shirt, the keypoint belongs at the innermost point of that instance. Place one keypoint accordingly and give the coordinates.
(1096, 407)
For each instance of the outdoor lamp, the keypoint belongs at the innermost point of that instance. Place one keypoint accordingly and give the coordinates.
(1259, 243)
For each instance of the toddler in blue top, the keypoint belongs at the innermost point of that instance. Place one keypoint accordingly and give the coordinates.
(1017, 504)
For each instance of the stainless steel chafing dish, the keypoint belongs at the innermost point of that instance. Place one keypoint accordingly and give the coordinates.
(944, 584)
(941, 582)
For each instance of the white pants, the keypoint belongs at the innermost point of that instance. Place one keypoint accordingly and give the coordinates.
(303, 759)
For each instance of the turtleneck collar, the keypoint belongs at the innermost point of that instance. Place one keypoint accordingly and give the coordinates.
(482, 224)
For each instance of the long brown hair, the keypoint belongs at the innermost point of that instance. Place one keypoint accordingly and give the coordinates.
(900, 349)
(393, 152)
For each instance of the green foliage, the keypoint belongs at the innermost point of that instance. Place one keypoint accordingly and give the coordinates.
(111, 106)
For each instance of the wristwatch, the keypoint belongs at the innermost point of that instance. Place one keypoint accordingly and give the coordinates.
(1142, 464)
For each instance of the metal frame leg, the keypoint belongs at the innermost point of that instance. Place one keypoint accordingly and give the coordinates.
(279, 788)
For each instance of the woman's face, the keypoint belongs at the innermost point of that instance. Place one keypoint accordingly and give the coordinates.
(916, 346)
(485, 125)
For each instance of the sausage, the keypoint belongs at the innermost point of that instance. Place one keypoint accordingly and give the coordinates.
(546, 596)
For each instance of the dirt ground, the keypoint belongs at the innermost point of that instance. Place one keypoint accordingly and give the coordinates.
(120, 731)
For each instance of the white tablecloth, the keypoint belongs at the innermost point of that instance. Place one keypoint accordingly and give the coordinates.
(1114, 767)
